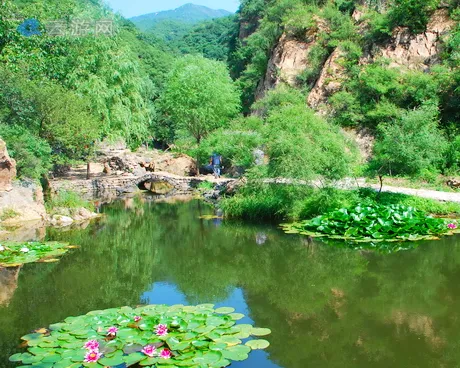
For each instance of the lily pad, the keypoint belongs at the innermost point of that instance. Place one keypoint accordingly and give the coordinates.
(178, 336)
(14, 254)
(258, 344)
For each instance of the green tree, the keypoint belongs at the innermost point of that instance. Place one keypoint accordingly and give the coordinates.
(303, 145)
(410, 144)
(199, 96)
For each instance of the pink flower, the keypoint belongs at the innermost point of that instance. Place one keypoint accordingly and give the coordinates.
(137, 318)
(92, 357)
(149, 350)
(92, 345)
(161, 330)
(452, 226)
(165, 354)
(112, 331)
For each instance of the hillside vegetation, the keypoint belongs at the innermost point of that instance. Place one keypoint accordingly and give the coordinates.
(173, 24)
(282, 78)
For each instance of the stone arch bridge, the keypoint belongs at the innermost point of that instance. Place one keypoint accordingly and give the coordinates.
(111, 186)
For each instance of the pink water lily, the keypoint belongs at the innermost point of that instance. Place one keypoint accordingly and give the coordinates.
(112, 331)
(137, 318)
(149, 350)
(92, 357)
(161, 330)
(92, 345)
(452, 226)
(165, 354)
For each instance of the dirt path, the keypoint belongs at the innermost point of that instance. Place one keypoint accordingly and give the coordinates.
(423, 193)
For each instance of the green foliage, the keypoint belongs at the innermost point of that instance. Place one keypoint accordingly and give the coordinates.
(236, 143)
(319, 201)
(301, 144)
(205, 185)
(258, 201)
(187, 14)
(32, 153)
(453, 154)
(370, 222)
(411, 13)
(212, 39)
(378, 93)
(189, 336)
(68, 199)
(105, 72)
(411, 144)
(8, 213)
(14, 254)
(200, 96)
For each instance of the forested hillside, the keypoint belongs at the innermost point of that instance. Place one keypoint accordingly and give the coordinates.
(305, 71)
(61, 93)
(172, 24)
(390, 66)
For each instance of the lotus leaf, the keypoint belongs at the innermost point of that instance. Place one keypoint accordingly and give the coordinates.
(14, 254)
(374, 223)
(147, 336)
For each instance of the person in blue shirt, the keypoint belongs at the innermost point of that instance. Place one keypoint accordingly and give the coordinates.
(216, 162)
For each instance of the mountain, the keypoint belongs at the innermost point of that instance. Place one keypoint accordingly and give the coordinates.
(186, 15)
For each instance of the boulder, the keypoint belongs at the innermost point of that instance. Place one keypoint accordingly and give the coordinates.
(181, 165)
(7, 169)
(26, 200)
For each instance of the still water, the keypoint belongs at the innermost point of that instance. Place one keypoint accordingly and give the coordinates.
(326, 306)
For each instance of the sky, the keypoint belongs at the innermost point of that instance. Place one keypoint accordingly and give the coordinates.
(131, 8)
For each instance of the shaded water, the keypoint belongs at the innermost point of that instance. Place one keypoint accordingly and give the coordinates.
(327, 307)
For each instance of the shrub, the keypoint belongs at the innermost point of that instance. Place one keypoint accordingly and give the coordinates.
(236, 143)
(302, 145)
(411, 144)
(324, 200)
(8, 213)
(32, 154)
(68, 199)
(414, 14)
(258, 201)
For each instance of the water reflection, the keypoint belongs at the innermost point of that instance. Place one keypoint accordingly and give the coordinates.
(327, 307)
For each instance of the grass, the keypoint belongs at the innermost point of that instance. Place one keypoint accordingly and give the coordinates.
(206, 185)
(8, 213)
(68, 199)
(275, 202)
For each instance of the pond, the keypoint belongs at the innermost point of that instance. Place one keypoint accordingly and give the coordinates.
(326, 306)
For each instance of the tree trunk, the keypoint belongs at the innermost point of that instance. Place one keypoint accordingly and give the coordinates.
(88, 170)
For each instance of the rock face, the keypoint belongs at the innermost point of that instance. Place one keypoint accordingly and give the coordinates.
(23, 203)
(19, 201)
(288, 60)
(330, 80)
(415, 52)
(7, 169)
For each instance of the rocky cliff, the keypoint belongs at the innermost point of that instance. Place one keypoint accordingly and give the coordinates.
(403, 50)
(20, 201)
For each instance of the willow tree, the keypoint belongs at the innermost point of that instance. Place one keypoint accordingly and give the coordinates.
(200, 96)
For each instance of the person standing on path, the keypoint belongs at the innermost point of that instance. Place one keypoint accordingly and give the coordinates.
(216, 162)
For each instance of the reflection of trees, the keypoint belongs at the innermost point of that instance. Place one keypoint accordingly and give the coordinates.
(327, 307)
